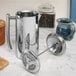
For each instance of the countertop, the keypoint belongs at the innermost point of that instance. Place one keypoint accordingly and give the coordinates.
(51, 65)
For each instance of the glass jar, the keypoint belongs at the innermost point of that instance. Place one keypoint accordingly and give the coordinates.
(47, 18)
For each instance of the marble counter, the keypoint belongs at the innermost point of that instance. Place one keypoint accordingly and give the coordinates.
(51, 65)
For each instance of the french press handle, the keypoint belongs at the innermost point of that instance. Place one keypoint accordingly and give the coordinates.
(8, 18)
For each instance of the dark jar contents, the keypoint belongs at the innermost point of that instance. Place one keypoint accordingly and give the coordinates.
(47, 20)
(47, 15)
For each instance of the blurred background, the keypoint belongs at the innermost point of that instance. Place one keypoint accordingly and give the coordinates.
(11, 6)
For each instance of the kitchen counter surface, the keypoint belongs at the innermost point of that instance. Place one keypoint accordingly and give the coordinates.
(51, 65)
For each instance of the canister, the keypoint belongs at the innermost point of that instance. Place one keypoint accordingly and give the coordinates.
(2, 31)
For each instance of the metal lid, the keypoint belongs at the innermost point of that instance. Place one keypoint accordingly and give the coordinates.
(60, 47)
(46, 8)
(26, 13)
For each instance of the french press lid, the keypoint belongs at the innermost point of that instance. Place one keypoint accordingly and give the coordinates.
(26, 13)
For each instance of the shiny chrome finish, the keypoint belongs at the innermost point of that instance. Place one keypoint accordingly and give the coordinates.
(56, 45)
(27, 31)
(31, 63)
(60, 47)
(8, 17)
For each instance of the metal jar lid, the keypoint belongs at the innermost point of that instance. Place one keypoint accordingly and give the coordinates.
(46, 8)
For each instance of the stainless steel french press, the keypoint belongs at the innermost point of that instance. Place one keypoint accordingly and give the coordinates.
(27, 32)
(27, 40)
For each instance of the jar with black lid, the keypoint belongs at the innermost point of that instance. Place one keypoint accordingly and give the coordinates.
(47, 18)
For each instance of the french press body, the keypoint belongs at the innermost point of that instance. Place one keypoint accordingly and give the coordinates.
(27, 32)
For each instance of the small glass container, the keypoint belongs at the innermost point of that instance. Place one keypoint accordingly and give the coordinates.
(47, 18)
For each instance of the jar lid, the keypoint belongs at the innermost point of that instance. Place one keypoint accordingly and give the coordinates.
(46, 8)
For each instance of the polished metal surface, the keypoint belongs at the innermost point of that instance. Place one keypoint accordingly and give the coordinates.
(31, 63)
(8, 17)
(27, 31)
(56, 45)
(27, 40)
(27, 13)
(59, 48)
